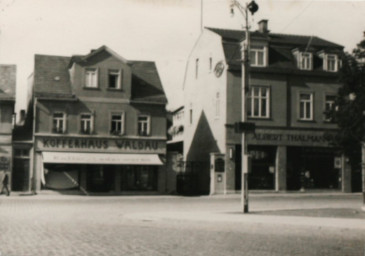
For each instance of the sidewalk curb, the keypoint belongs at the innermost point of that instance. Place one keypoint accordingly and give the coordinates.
(236, 217)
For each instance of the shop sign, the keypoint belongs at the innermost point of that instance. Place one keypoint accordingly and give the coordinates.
(291, 137)
(91, 144)
(4, 163)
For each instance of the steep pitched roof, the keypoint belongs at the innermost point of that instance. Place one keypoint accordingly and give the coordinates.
(146, 83)
(51, 77)
(281, 46)
(7, 82)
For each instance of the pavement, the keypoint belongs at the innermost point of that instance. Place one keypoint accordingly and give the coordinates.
(277, 225)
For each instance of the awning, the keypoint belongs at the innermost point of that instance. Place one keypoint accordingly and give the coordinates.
(100, 158)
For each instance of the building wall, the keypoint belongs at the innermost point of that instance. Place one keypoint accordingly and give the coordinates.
(102, 62)
(102, 114)
(201, 97)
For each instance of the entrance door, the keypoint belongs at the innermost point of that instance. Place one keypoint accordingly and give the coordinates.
(20, 177)
(100, 178)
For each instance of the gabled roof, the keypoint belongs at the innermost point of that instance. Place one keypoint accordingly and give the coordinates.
(51, 77)
(280, 45)
(7, 82)
(275, 38)
(83, 58)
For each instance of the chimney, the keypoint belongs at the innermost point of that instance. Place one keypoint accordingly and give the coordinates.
(263, 26)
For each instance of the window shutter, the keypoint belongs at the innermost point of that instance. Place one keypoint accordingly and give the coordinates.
(97, 77)
(64, 122)
(120, 79)
(123, 123)
(311, 61)
(149, 125)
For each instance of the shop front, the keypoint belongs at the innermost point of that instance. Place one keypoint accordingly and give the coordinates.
(290, 159)
(100, 165)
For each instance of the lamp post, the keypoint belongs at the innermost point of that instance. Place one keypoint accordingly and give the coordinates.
(245, 50)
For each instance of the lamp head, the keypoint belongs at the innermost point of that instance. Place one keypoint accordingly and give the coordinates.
(252, 7)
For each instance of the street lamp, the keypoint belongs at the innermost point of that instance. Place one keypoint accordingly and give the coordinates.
(245, 50)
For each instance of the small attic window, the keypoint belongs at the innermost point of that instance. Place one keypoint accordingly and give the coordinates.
(57, 78)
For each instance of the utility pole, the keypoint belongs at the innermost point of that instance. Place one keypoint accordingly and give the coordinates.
(245, 126)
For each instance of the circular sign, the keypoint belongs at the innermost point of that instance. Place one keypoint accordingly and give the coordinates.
(218, 70)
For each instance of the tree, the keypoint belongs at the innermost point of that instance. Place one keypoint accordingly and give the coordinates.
(349, 110)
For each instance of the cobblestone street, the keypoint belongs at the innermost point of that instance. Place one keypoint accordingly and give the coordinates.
(77, 225)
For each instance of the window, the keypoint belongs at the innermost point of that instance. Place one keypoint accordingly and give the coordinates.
(114, 79)
(59, 122)
(330, 63)
(306, 106)
(117, 123)
(196, 68)
(258, 102)
(329, 105)
(86, 123)
(217, 105)
(191, 116)
(143, 125)
(210, 64)
(91, 78)
(305, 61)
(257, 56)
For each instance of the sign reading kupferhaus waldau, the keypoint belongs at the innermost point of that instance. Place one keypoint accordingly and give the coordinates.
(101, 144)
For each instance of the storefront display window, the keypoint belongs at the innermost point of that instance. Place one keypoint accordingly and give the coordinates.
(143, 178)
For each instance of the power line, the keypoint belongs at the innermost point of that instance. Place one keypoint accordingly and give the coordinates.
(297, 16)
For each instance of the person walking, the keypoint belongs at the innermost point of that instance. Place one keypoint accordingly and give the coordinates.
(6, 185)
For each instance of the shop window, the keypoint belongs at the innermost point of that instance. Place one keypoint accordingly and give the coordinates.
(59, 122)
(258, 102)
(86, 123)
(91, 78)
(258, 56)
(306, 106)
(144, 125)
(139, 178)
(329, 105)
(114, 79)
(117, 123)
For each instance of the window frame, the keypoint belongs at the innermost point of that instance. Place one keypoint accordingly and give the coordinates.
(326, 60)
(147, 122)
(91, 123)
(64, 121)
(328, 120)
(257, 49)
(88, 70)
(122, 120)
(311, 106)
(119, 74)
(305, 65)
(250, 100)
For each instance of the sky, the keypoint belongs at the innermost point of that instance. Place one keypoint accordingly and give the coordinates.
(163, 31)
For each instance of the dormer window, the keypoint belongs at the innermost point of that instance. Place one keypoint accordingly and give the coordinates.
(330, 62)
(91, 78)
(258, 56)
(304, 59)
